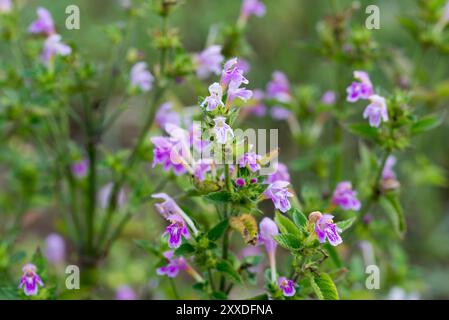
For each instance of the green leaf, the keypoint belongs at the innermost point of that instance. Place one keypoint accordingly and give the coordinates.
(346, 224)
(184, 250)
(426, 123)
(335, 257)
(286, 225)
(226, 268)
(324, 287)
(219, 295)
(288, 241)
(216, 232)
(363, 130)
(219, 197)
(393, 208)
(299, 218)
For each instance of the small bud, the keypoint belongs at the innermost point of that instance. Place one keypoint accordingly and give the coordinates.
(240, 182)
(315, 216)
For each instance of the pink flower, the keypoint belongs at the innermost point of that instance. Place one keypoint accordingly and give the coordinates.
(232, 72)
(360, 90)
(201, 168)
(141, 77)
(279, 87)
(281, 173)
(250, 161)
(329, 98)
(376, 111)
(279, 194)
(267, 230)
(326, 229)
(30, 280)
(5, 6)
(345, 197)
(214, 99)
(174, 265)
(287, 286)
(55, 248)
(252, 7)
(165, 115)
(222, 130)
(388, 172)
(125, 293)
(208, 62)
(44, 23)
(280, 113)
(240, 182)
(80, 168)
(256, 108)
(176, 230)
(53, 46)
(235, 92)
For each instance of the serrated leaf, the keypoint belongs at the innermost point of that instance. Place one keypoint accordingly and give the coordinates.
(363, 130)
(299, 218)
(288, 241)
(426, 123)
(393, 208)
(226, 268)
(246, 225)
(346, 224)
(286, 225)
(216, 232)
(324, 287)
(219, 197)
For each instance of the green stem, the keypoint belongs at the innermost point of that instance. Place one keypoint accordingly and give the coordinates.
(173, 287)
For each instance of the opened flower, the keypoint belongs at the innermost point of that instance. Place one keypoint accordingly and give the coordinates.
(279, 194)
(235, 92)
(79, 169)
(328, 98)
(141, 77)
(173, 267)
(214, 99)
(53, 46)
(44, 23)
(345, 197)
(281, 173)
(325, 228)
(222, 130)
(376, 111)
(232, 72)
(208, 62)
(252, 7)
(267, 231)
(250, 161)
(201, 168)
(287, 286)
(30, 280)
(360, 90)
(279, 87)
(55, 248)
(165, 115)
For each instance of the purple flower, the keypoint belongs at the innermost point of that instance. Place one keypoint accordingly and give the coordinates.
(240, 182)
(54, 248)
(232, 72)
(201, 168)
(267, 230)
(104, 196)
(222, 130)
(80, 168)
(252, 7)
(235, 92)
(281, 173)
(250, 160)
(141, 77)
(445, 16)
(279, 87)
(208, 62)
(214, 99)
(360, 90)
(280, 113)
(53, 46)
(329, 98)
(345, 197)
(125, 293)
(5, 6)
(325, 228)
(376, 111)
(30, 280)
(44, 23)
(287, 286)
(165, 115)
(279, 194)
(162, 155)
(174, 265)
(388, 172)
(178, 220)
